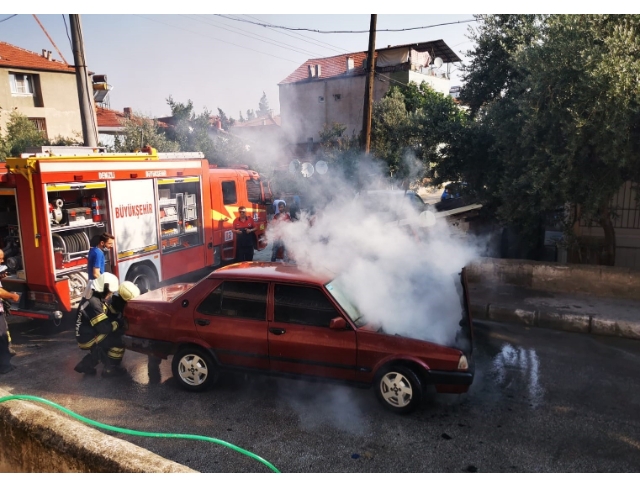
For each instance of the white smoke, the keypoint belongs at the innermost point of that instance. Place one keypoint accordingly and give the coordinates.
(400, 276)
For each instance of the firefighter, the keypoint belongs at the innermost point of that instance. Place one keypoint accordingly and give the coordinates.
(113, 344)
(94, 327)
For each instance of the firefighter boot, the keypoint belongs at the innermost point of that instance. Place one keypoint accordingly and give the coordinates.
(113, 371)
(87, 365)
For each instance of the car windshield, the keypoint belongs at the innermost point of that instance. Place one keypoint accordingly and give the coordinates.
(336, 289)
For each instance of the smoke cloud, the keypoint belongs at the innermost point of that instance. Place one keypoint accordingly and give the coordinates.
(399, 274)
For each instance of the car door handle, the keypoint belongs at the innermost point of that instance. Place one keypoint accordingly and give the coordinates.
(202, 322)
(277, 331)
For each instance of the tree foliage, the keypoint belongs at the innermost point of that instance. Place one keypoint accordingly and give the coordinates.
(21, 133)
(410, 127)
(263, 106)
(557, 115)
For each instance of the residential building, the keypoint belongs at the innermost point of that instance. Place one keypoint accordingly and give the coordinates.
(331, 90)
(40, 88)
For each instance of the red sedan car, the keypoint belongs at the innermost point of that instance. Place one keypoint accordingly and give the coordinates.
(276, 318)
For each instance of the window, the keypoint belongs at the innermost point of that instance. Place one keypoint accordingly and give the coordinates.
(237, 299)
(303, 306)
(229, 195)
(21, 84)
(41, 125)
(254, 193)
(337, 97)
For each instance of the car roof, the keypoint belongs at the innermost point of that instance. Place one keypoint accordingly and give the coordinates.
(277, 271)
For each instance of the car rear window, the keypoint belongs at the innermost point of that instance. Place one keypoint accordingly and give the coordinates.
(303, 306)
(237, 299)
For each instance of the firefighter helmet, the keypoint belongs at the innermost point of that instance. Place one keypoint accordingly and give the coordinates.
(128, 291)
(106, 280)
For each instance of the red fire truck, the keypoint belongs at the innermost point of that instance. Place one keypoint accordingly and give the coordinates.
(170, 213)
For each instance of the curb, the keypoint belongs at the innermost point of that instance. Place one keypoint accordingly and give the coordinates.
(579, 323)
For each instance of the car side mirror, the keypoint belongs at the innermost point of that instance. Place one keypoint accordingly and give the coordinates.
(337, 324)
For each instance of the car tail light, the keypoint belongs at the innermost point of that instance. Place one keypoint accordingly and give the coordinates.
(42, 297)
(463, 364)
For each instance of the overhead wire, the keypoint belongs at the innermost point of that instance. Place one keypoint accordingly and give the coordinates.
(297, 35)
(346, 31)
(219, 40)
(7, 18)
(257, 37)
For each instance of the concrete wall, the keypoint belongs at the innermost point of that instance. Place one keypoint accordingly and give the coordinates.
(36, 438)
(57, 97)
(441, 85)
(597, 280)
(304, 116)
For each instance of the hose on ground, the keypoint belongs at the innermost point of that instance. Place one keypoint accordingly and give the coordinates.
(140, 433)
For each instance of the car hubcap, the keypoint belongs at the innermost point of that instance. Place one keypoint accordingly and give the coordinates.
(396, 389)
(193, 370)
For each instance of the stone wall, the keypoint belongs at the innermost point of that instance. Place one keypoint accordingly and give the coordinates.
(36, 438)
(618, 282)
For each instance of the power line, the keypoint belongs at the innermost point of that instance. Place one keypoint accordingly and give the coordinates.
(346, 31)
(219, 40)
(7, 18)
(257, 37)
(316, 42)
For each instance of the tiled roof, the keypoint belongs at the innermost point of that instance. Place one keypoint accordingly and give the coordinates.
(108, 118)
(329, 67)
(15, 57)
(112, 118)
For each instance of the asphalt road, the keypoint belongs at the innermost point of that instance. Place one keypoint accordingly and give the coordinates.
(542, 401)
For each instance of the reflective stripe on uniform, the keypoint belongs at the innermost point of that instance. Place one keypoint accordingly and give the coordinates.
(115, 353)
(98, 318)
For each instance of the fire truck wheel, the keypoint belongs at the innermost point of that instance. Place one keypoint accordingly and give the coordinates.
(194, 369)
(143, 277)
(399, 389)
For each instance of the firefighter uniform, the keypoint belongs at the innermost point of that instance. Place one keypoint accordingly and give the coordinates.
(96, 331)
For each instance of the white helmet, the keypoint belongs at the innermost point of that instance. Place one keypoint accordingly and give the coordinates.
(106, 279)
(128, 291)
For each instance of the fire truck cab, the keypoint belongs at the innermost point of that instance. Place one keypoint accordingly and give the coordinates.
(170, 214)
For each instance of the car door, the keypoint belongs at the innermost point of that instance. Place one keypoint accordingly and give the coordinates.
(300, 340)
(232, 319)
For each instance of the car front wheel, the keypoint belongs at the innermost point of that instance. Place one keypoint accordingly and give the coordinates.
(399, 389)
(193, 369)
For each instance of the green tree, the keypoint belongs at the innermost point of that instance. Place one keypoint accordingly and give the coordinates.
(411, 126)
(137, 131)
(22, 133)
(565, 125)
(250, 115)
(263, 106)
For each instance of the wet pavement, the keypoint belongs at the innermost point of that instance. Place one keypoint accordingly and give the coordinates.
(542, 401)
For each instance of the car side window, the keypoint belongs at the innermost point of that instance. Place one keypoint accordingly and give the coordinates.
(237, 299)
(303, 306)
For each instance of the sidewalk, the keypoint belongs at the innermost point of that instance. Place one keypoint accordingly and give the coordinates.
(561, 311)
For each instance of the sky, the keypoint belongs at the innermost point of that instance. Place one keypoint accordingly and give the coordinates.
(214, 61)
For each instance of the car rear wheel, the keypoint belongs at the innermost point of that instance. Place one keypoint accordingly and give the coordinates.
(193, 369)
(399, 389)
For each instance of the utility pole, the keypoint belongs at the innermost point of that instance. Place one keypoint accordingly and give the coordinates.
(368, 89)
(87, 111)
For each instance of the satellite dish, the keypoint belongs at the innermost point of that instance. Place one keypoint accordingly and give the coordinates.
(307, 170)
(322, 167)
(437, 62)
(294, 166)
